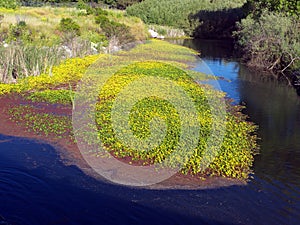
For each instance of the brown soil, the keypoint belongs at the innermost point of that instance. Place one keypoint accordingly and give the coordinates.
(71, 155)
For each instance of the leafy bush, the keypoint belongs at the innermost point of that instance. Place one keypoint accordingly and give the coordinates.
(114, 29)
(271, 41)
(121, 4)
(101, 19)
(69, 25)
(19, 32)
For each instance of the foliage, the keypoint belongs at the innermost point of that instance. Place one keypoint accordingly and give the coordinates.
(9, 4)
(42, 124)
(69, 25)
(52, 96)
(19, 61)
(114, 29)
(176, 13)
(271, 41)
(43, 37)
(121, 4)
(235, 156)
(288, 7)
(19, 32)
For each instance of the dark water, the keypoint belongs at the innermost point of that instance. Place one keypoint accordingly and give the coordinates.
(36, 187)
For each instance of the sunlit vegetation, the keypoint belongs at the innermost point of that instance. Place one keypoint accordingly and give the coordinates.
(52, 96)
(70, 71)
(36, 39)
(235, 156)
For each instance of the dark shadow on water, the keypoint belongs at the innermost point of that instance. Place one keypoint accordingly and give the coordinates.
(36, 187)
(217, 24)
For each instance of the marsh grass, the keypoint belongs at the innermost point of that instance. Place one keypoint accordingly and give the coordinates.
(18, 61)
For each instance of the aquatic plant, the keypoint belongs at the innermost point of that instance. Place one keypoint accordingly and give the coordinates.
(52, 96)
(42, 123)
(235, 156)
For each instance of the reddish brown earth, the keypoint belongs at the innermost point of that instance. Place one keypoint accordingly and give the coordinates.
(70, 153)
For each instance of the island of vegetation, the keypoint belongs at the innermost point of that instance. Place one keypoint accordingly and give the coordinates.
(47, 51)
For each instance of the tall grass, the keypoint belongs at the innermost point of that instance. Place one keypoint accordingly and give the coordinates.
(19, 60)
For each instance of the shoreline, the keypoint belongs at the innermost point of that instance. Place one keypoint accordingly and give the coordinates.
(70, 154)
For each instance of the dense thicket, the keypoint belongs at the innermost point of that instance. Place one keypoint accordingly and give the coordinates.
(188, 15)
(270, 35)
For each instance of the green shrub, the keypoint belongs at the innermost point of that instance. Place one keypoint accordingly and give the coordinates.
(101, 19)
(271, 41)
(288, 7)
(98, 11)
(114, 29)
(19, 32)
(68, 25)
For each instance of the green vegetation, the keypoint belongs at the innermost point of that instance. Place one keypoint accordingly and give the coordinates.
(68, 25)
(42, 124)
(235, 156)
(271, 42)
(36, 39)
(52, 96)
(121, 4)
(185, 14)
(9, 4)
(288, 7)
(270, 35)
(68, 72)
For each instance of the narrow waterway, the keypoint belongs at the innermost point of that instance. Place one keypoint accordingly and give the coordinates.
(36, 187)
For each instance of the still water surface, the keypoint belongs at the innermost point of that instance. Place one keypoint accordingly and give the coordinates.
(36, 187)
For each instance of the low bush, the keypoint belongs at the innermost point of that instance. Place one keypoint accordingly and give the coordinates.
(114, 29)
(69, 25)
(19, 32)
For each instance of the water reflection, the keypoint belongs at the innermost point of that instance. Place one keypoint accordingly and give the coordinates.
(272, 105)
